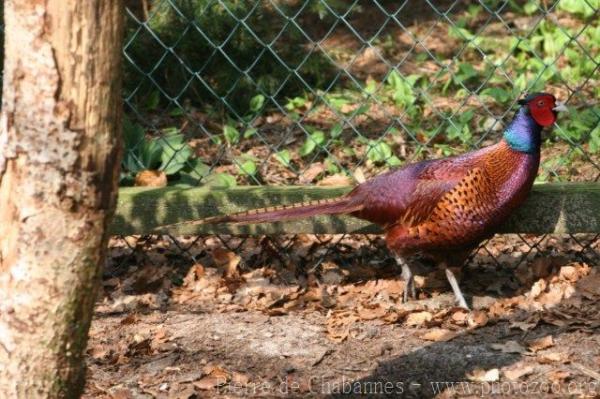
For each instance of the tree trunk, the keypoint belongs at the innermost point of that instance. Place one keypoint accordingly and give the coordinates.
(59, 158)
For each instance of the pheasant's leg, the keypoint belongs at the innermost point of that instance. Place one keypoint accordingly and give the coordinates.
(460, 299)
(409, 280)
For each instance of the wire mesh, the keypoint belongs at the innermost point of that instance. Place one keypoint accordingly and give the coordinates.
(223, 93)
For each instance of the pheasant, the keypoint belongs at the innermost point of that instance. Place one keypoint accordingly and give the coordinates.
(441, 208)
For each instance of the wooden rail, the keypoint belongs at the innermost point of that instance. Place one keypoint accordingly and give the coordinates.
(551, 208)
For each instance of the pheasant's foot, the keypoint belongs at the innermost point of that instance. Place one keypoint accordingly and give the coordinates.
(409, 281)
(460, 299)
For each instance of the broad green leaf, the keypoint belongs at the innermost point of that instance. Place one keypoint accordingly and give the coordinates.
(378, 151)
(247, 167)
(316, 138)
(498, 94)
(149, 155)
(231, 134)
(361, 110)
(296, 102)
(336, 130)
(308, 147)
(220, 180)
(175, 153)
(331, 165)
(283, 157)
(257, 102)
(250, 132)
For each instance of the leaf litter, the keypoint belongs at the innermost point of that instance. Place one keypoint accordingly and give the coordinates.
(352, 306)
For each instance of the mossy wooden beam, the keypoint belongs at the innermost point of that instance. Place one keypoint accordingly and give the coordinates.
(551, 208)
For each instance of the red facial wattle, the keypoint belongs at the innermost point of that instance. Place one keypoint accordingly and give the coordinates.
(541, 111)
(543, 116)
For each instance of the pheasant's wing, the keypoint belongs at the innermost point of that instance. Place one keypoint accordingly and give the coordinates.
(453, 206)
(410, 195)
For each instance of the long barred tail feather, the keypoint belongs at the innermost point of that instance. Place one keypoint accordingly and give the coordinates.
(330, 206)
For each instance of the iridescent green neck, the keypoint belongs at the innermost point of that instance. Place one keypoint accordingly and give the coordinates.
(523, 134)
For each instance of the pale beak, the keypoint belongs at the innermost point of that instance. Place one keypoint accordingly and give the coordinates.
(560, 107)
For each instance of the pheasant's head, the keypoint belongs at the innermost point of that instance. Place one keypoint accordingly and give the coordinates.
(542, 107)
(537, 110)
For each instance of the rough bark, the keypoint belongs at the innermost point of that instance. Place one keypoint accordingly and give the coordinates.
(59, 156)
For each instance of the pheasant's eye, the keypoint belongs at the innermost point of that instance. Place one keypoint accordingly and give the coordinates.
(540, 103)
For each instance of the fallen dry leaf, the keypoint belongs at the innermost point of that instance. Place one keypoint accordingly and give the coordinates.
(439, 335)
(568, 273)
(418, 318)
(541, 343)
(480, 375)
(335, 180)
(339, 324)
(359, 175)
(587, 371)
(537, 288)
(460, 316)
(477, 318)
(370, 312)
(516, 372)
(131, 318)
(553, 357)
(312, 172)
(590, 286)
(226, 259)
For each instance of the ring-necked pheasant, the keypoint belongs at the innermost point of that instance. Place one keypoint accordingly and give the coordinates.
(440, 208)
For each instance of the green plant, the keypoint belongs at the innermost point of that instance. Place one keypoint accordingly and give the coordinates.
(168, 153)
(459, 129)
(246, 165)
(380, 152)
(585, 8)
(315, 139)
(401, 88)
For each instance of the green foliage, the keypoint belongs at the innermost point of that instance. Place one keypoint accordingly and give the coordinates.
(246, 165)
(459, 129)
(496, 61)
(581, 125)
(168, 153)
(499, 95)
(219, 180)
(594, 146)
(381, 152)
(583, 8)
(231, 134)
(256, 103)
(402, 88)
(283, 157)
(315, 139)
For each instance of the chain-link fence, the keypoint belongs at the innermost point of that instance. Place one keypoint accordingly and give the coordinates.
(226, 92)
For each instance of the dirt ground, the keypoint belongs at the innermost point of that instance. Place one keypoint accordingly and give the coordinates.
(243, 323)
